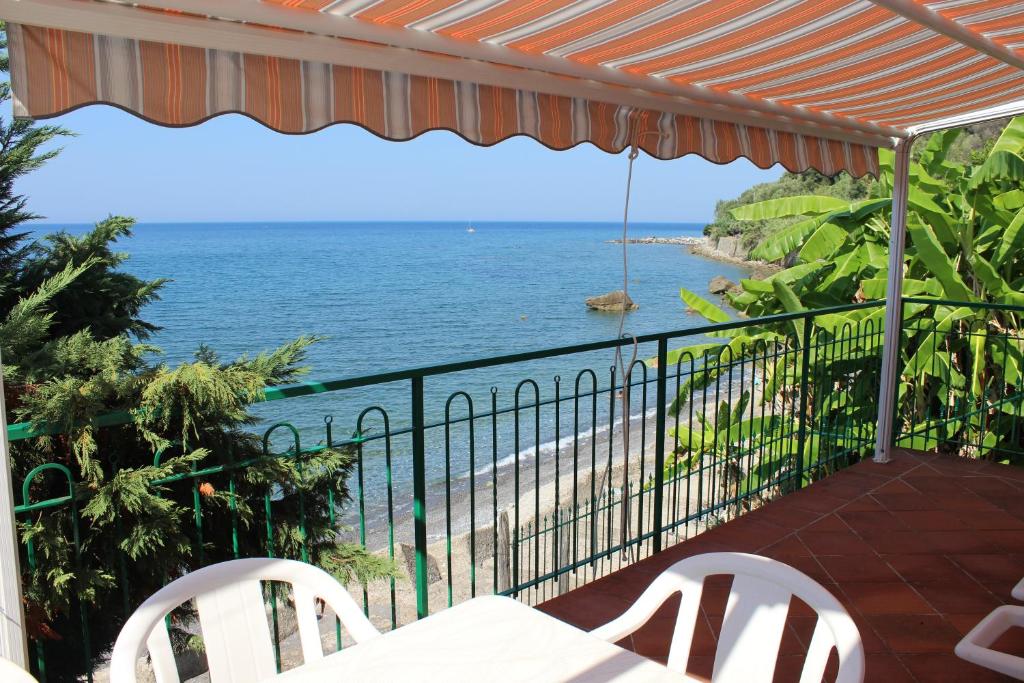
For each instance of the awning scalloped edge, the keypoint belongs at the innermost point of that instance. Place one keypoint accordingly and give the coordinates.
(55, 71)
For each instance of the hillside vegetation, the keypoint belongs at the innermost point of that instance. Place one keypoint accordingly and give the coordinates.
(970, 147)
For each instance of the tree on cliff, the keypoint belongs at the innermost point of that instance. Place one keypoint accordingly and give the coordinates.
(971, 146)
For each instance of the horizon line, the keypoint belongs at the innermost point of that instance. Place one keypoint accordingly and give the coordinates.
(47, 222)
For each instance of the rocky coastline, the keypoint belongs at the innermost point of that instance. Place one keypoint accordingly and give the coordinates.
(731, 250)
(725, 249)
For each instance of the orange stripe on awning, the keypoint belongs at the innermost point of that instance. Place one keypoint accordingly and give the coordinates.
(175, 90)
(805, 83)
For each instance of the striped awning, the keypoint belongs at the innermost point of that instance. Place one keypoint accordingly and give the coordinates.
(806, 83)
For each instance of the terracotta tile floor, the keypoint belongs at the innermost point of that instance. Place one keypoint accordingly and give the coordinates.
(918, 550)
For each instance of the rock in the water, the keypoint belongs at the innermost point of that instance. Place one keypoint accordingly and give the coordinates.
(612, 301)
(721, 285)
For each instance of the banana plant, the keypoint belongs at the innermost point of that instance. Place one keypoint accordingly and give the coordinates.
(962, 363)
(732, 448)
(768, 437)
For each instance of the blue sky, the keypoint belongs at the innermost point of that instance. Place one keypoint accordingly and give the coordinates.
(233, 169)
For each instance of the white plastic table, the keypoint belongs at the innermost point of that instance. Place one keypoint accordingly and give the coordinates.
(492, 639)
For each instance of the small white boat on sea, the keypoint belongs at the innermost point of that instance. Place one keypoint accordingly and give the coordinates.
(471, 229)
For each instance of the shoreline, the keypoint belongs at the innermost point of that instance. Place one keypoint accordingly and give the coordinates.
(707, 247)
(590, 450)
(506, 549)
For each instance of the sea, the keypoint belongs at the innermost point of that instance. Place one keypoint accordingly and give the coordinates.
(390, 296)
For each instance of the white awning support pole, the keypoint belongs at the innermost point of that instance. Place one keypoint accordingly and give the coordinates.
(893, 300)
(13, 640)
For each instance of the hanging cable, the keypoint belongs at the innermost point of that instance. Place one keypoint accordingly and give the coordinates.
(637, 121)
(626, 370)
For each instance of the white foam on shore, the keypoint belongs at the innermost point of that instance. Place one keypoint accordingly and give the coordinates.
(548, 447)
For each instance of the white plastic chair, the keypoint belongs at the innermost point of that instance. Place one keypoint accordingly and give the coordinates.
(755, 618)
(229, 599)
(975, 647)
(12, 673)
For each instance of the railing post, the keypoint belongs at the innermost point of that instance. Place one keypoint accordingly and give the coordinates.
(659, 442)
(13, 644)
(805, 365)
(419, 493)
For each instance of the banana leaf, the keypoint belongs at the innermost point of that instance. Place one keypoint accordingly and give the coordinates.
(722, 414)
(767, 471)
(940, 220)
(741, 406)
(791, 303)
(923, 358)
(1008, 356)
(748, 429)
(823, 243)
(1000, 290)
(1012, 137)
(697, 382)
(833, 322)
(990, 238)
(703, 307)
(791, 238)
(757, 286)
(787, 240)
(922, 179)
(779, 377)
(848, 264)
(1010, 201)
(939, 264)
(785, 207)
(741, 300)
(1000, 165)
(978, 338)
(934, 153)
(799, 275)
(875, 288)
(1012, 241)
(694, 353)
(692, 439)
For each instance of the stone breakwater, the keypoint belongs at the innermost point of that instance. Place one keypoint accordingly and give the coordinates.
(687, 241)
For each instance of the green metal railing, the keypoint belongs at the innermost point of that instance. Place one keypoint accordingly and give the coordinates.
(523, 490)
(962, 385)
